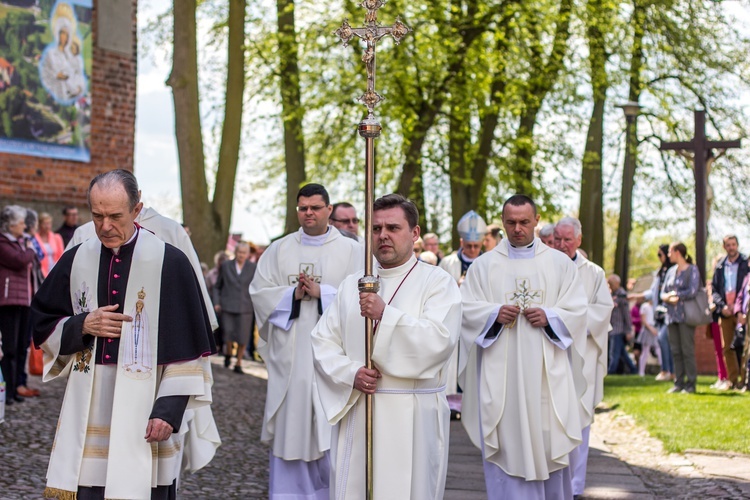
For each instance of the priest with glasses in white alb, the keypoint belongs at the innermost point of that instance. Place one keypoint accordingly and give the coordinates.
(524, 311)
(295, 282)
(593, 365)
(417, 316)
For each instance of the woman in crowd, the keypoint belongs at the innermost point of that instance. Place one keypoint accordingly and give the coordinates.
(681, 283)
(51, 243)
(667, 364)
(16, 259)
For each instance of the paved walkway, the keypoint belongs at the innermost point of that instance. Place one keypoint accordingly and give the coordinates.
(625, 461)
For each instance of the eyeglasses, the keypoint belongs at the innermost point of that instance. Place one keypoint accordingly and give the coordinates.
(314, 208)
(346, 221)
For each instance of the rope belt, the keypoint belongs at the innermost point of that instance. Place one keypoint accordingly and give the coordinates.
(411, 391)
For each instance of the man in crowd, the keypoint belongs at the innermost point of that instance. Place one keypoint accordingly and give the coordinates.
(344, 218)
(125, 400)
(232, 301)
(431, 243)
(593, 364)
(492, 237)
(729, 274)
(524, 310)
(471, 230)
(622, 328)
(417, 330)
(295, 282)
(69, 225)
(547, 235)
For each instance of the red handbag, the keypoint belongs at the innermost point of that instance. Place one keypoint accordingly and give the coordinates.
(36, 361)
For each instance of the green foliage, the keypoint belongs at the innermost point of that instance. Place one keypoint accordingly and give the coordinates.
(519, 76)
(707, 420)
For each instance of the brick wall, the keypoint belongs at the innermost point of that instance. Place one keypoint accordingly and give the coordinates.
(46, 184)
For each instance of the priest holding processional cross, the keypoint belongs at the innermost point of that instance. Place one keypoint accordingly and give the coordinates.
(385, 390)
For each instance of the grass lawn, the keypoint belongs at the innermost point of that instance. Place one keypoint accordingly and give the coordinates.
(709, 419)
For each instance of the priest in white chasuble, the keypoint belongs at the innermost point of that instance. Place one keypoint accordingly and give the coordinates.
(122, 317)
(524, 313)
(295, 281)
(417, 315)
(593, 365)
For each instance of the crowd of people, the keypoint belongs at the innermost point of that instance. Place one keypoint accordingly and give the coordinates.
(133, 335)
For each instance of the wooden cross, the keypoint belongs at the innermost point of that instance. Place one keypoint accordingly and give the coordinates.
(702, 150)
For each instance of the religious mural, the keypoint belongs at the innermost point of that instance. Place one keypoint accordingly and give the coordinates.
(45, 71)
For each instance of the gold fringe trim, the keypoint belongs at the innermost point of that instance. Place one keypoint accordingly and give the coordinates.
(60, 494)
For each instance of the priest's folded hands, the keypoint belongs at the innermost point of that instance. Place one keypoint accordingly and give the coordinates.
(104, 322)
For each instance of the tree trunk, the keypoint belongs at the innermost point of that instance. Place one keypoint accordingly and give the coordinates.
(197, 212)
(591, 209)
(622, 250)
(292, 112)
(209, 222)
(542, 77)
(231, 133)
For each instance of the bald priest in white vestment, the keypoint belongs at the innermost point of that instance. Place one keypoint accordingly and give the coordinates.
(295, 282)
(121, 316)
(417, 314)
(524, 311)
(199, 436)
(593, 365)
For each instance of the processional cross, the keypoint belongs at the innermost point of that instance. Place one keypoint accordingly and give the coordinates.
(370, 128)
(702, 149)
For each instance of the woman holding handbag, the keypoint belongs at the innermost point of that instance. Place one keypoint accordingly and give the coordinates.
(682, 283)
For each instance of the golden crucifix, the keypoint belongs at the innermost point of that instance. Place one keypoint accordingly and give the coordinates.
(370, 128)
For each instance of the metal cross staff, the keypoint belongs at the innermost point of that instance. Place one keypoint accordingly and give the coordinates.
(370, 128)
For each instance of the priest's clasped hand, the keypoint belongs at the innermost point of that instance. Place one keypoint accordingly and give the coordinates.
(371, 306)
(306, 285)
(536, 316)
(507, 314)
(366, 381)
(158, 430)
(104, 322)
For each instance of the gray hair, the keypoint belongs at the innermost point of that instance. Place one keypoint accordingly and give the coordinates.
(30, 219)
(572, 222)
(117, 177)
(546, 230)
(11, 215)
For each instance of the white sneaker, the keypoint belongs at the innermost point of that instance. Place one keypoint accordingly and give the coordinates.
(725, 385)
(663, 376)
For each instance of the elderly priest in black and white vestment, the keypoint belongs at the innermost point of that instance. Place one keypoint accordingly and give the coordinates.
(122, 317)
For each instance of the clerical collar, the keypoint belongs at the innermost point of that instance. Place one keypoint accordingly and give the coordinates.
(398, 270)
(464, 258)
(116, 251)
(526, 252)
(314, 241)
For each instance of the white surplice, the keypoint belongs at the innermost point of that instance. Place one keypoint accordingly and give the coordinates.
(293, 421)
(593, 365)
(520, 403)
(411, 419)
